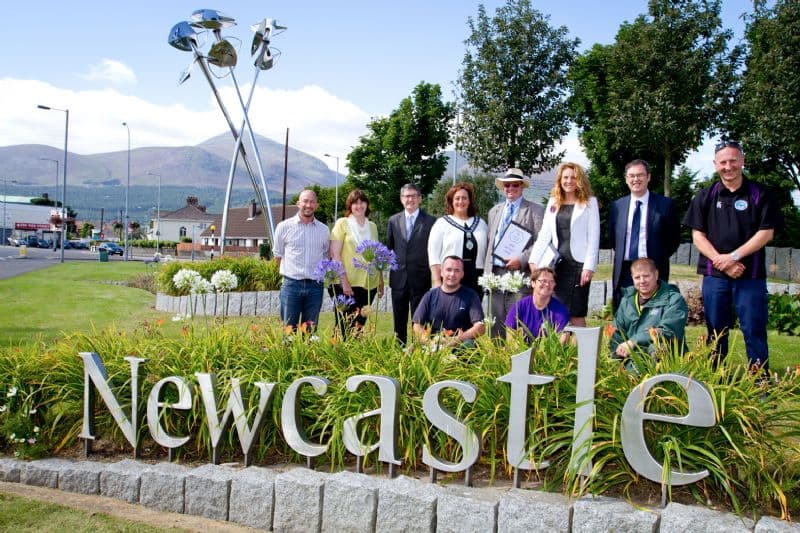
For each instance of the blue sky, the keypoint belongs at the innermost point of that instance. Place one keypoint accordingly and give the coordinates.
(342, 63)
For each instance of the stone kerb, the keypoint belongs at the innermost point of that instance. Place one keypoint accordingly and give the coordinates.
(252, 497)
(162, 487)
(207, 491)
(307, 500)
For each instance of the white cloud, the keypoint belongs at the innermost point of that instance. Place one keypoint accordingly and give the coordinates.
(109, 70)
(319, 122)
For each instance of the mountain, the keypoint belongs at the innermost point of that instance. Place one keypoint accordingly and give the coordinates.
(204, 165)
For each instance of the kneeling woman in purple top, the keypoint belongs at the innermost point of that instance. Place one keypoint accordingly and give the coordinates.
(533, 313)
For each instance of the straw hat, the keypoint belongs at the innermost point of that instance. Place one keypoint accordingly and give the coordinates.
(512, 175)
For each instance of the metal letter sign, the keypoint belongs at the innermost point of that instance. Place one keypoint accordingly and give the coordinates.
(390, 400)
(290, 417)
(441, 418)
(153, 411)
(701, 414)
(235, 407)
(94, 371)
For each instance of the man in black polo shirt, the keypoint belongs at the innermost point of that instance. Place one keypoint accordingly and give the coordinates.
(451, 310)
(732, 221)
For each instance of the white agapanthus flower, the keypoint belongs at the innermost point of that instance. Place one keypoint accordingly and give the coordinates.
(224, 280)
(489, 281)
(3, 408)
(202, 286)
(12, 392)
(512, 281)
(185, 279)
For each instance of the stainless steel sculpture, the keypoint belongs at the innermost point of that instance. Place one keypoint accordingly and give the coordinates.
(222, 53)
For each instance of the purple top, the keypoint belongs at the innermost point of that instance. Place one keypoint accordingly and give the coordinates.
(533, 319)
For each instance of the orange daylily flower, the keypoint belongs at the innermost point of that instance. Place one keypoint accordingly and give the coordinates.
(610, 330)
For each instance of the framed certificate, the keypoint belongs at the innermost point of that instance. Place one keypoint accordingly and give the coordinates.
(512, 242)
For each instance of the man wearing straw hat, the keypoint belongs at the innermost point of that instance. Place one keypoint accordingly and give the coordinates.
(523, 218)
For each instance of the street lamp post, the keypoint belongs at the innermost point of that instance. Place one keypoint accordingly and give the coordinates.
(55, 198)
(5, 201)
(127, 190)
(158, 209)
(64, 192)
(336, 193)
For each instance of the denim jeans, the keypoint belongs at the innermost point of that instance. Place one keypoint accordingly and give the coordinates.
(748, 298)
(300, 297)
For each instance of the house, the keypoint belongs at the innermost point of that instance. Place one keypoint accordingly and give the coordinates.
(247, 228)
(188, 221)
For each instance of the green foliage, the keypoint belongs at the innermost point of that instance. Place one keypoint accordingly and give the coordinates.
(326, 198)
(148, 243)
(405, 147)
(784, 313)
(486, 195)
(253, 274)
(752, 452)
(767, 102)
(654, 92)
(86, 230)
(513, 89)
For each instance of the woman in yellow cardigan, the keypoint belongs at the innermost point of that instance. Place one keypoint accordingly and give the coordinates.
(349, 233)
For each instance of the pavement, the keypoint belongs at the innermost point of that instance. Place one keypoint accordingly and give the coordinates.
(13, 264)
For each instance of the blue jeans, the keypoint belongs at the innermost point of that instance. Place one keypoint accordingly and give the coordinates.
(300, 297)
(748, 298)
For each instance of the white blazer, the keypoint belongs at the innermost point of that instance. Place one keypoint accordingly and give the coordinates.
(445, 240)
(584, 234)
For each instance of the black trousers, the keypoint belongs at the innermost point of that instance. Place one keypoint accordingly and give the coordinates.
(351, 318)
(404, 301)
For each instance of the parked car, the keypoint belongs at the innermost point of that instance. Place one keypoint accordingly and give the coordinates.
(31, 241)
(80, 245)
(111, 248)
(44, 243)
(13, 241)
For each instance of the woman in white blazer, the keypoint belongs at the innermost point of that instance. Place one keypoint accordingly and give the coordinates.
(569, 239)
(461, 232)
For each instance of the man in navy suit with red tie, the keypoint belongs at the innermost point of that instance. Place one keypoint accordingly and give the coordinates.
(408, 237)
(643, 224)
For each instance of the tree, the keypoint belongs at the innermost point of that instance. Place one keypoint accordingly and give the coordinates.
(405, 147)
(485, 194)
(513, 89)
(86, 230)
(767, 105)
(657, 90)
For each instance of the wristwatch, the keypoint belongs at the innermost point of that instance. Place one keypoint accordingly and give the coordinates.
(735, 255)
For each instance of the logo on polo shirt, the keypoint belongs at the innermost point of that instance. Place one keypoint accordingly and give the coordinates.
(740, 205)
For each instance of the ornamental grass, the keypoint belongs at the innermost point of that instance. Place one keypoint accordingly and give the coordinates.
(752, 453)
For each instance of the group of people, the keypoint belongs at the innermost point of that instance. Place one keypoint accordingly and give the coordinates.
(441, 261)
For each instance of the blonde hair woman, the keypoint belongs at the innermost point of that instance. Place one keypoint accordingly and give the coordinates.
(569, 240)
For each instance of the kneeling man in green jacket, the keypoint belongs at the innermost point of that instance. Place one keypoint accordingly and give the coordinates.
(650, 312)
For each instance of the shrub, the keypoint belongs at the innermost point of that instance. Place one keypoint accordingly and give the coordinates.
(253, 274)
(784, 313)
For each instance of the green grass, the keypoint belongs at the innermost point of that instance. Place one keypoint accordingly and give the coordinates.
(22, 514)
(70, 297)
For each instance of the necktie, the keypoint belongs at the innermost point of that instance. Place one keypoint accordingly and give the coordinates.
(409, 227)
(633, 246)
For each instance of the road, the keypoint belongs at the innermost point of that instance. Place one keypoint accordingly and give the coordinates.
(12, 264)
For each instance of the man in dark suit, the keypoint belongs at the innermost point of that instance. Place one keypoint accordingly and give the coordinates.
(642, 224)
(412, 279)
(515, 208)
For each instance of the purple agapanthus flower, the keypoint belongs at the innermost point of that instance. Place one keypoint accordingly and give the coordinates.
(329, 271)
(377, 257)
(344, 301)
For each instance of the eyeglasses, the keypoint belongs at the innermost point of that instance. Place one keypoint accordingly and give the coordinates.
(635, 176)
(727, 144)
(409, 196)
(512, 184)
(541, 281)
